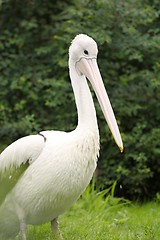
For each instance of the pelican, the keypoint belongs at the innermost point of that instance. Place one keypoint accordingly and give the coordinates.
(42, 175)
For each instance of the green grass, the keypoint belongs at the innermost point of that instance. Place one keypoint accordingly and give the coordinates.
(96, 217)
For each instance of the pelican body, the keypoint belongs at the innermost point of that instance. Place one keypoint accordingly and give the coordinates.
(42, 175)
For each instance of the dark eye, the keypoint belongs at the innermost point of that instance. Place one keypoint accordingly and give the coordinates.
(86, 52)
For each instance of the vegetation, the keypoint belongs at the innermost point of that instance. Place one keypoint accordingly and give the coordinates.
(36, 92)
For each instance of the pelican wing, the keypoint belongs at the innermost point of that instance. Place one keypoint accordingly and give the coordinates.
(15, 159)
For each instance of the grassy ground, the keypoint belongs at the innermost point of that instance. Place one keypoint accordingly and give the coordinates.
(96, 218)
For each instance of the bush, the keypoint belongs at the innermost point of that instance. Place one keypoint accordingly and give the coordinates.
(35, 90)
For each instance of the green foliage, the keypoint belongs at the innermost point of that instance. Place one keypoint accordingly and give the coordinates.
(35, 88)
(98, 200)
(135, 64)
(32, 75)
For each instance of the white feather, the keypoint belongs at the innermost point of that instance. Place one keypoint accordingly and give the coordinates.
(54, 181)
(24, 149)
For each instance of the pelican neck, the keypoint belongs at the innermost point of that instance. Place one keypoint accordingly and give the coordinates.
(84, 101)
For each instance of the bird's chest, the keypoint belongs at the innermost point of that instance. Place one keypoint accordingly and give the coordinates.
(58, 178)
(74, 165)
(74, 172)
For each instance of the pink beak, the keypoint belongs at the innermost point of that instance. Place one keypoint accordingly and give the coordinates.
(90, 69)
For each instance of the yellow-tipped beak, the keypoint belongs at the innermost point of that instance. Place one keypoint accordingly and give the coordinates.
(90, 69)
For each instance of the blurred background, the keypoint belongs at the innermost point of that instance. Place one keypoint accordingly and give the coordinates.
(35, 90)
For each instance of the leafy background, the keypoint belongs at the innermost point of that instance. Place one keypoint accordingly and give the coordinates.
(35, 91)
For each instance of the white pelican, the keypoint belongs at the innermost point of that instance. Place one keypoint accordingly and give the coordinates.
(42, 175)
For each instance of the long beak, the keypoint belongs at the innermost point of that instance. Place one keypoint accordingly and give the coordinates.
(90, 69)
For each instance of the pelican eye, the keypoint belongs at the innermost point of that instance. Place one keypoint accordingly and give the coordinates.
(86, 52)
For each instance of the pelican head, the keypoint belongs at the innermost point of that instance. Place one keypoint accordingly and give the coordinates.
(83, 54)
(82, 46)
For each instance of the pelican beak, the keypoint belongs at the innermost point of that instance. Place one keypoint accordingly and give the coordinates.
(89, 68)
